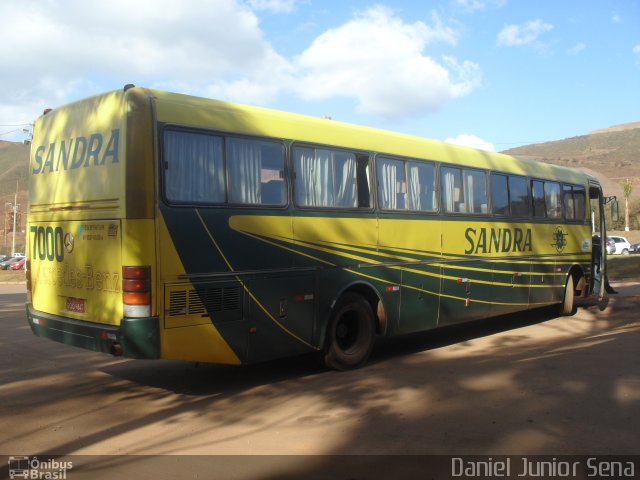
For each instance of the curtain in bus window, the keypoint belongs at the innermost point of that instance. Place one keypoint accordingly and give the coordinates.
(272, 190)
(580, 200)
(314, 177)
(569, 209)
(452, 190)
(388, 173)
(345, 173)
(475, 191)
(415, 188)
(244, 164)
(552, 199)
(194, 167)
(468, 176)
(422, 186)
(537, 191)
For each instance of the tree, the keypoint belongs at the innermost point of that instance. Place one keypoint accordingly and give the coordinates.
(627, 187)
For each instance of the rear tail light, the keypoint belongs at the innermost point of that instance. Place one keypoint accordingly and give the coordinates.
(136, 291)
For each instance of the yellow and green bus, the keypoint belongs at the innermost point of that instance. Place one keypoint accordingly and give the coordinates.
(167, 226)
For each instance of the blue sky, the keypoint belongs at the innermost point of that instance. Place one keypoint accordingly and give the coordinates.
(493, 74)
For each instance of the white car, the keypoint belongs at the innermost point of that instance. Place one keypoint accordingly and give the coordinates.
(622, 245)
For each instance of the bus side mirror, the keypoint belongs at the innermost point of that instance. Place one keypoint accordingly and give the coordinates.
(615, 214)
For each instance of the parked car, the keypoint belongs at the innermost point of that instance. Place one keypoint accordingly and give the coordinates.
(635, 248)
(621, 244)
(5, 257)
(611, 246)
(4, 265)
(18, 265)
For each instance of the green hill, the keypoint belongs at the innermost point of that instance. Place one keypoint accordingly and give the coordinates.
(14, 166)
(612, 154)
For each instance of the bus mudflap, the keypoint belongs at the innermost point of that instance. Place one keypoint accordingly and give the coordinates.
(135, 337)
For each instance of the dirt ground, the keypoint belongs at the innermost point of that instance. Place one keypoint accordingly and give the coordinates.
(524, 384)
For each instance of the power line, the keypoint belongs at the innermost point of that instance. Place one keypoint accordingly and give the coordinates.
(10, 131)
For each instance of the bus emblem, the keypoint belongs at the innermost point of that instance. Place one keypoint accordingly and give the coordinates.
(559, 237)
(68, 242)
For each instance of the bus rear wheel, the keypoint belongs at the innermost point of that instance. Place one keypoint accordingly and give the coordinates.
(351, 333)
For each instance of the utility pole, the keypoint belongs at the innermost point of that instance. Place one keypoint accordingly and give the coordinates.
(15, 215)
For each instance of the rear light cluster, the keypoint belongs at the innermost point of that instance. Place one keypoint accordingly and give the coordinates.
(136, 291)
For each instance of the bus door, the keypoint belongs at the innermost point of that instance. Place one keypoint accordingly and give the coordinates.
(599, 249)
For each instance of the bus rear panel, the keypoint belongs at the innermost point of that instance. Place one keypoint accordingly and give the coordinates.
(89, 240)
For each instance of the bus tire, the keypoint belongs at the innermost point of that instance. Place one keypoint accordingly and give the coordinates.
(351, 333)
(567, 307)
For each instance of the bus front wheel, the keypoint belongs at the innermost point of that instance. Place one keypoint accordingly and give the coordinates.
(351, 333)
(567, 307)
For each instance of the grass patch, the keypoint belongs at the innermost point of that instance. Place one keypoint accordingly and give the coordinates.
(12, 276)
(623, 266)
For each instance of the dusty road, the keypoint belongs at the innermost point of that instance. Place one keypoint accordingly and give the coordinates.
(526, 384)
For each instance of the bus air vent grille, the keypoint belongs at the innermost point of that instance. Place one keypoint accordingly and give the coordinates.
(177, 303)
(214, 299)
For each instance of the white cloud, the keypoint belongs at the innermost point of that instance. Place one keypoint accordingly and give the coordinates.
(524, 34)
(278, 6)
(615, 17)
(379, 60)
(65, 47)
(69, 49)
(472, 141)
(636, 49)
(471, 6)
(576, 49)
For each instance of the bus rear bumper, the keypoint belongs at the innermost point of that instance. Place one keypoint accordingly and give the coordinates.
(133, 338)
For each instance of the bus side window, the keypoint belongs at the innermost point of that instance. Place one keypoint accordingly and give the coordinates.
(499, 194)
(518, 196)
(452, 193)
(406, 185)
(475, 188)
(392, 185)
(553, 199)
(364, 182)
(194, 167)
(422, 186)
(255, 172)
(330, 178)
(537, 190)
(580, 202)
(574, 202)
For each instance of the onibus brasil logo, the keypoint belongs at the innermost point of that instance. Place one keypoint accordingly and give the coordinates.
(40, 469)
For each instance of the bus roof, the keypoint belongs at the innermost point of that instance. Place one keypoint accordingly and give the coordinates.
(223, 116)
(237, 118)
